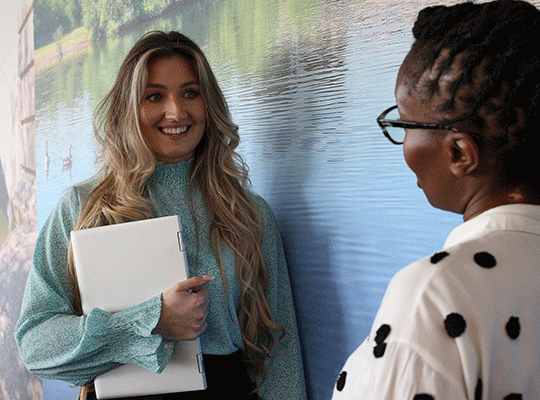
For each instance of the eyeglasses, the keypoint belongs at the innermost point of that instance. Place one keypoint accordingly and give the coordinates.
(394, 129)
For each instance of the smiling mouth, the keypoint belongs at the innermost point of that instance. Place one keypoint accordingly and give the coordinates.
(174, 131)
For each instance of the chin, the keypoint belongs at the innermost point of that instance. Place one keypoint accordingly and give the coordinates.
(445, 207)
(434, 203)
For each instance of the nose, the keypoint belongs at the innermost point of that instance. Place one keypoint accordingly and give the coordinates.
(174, 109)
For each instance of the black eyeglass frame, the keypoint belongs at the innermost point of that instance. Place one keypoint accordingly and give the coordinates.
(384, 123)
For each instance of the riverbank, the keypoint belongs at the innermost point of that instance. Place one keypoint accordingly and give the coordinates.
(69, 45)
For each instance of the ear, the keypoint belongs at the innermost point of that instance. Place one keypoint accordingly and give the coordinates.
(464, 156)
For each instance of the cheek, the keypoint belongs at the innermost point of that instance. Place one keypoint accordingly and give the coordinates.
(420, 152)
(148, 115)
(409, 154)
(200, 112)
(143, 116)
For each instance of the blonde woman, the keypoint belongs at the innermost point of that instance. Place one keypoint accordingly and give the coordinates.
(169, 149)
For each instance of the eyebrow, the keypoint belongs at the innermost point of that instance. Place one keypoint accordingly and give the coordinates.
(183, 85)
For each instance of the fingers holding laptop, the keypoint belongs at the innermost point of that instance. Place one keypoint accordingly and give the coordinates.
(184, 309)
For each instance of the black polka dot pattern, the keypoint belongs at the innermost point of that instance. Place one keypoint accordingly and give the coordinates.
(378, 351)
(478, 390)
(513, 327)
(382, 334)
(435, 258)
(485, 260)
(341, 381)
(423, 396)
(455, 325)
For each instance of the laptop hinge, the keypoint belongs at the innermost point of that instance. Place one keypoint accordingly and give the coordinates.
(200, 363)
(180, 242)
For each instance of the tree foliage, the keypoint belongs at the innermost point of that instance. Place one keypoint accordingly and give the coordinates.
(54, 16)
(101, 18)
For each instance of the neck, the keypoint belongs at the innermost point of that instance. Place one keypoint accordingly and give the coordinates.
(485, 201)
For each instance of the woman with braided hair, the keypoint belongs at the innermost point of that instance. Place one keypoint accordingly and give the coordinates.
(169, 149)
(464, 322)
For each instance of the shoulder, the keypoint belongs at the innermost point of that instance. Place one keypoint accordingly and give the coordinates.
(79, 192)
(415, 279)
(67, 210)
(463, 276)
(436, 303)
(271, 237)
(260, 203)
(409, 344)
(440, 269)
(427, 306)
(268, 219)
(446, 310)
(74, 197)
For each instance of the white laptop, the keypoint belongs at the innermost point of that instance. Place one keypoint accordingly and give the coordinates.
(123, 265)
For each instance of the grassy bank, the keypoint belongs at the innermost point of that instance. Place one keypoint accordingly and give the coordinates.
(70, 44)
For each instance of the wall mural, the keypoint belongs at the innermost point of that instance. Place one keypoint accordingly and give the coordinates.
(305, 80)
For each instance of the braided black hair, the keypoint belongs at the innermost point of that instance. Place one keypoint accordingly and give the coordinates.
(495, 47)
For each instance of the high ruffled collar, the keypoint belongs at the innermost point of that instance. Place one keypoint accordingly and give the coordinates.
(179, 172)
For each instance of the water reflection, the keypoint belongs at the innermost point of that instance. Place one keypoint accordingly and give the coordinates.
(305, 81)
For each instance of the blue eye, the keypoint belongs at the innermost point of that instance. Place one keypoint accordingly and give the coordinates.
(191, 94)
(154, 97)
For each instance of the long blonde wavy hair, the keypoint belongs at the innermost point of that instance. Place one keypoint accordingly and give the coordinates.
(217, 171)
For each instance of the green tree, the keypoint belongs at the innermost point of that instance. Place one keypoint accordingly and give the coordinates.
(49, 15)
(103, 18)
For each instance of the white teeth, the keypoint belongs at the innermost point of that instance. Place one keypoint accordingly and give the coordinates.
(174, 131)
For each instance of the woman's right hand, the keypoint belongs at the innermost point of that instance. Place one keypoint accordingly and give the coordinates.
(184, 309)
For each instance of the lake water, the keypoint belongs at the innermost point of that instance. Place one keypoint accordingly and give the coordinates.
(305, 81)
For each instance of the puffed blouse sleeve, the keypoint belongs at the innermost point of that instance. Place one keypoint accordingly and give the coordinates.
(409, 354)
(285, 375)
(54, 343)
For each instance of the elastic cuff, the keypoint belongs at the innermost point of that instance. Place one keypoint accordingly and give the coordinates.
(142, 319)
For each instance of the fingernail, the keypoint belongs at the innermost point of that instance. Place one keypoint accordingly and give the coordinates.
(208, 277)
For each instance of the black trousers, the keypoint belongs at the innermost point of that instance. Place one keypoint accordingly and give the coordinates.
(225, 376)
